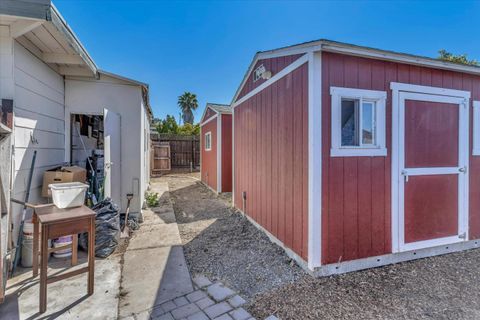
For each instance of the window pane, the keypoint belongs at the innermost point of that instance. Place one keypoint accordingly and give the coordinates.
(349, 122)
(367, 123)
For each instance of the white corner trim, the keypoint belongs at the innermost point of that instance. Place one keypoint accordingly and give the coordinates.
(219, 153)
(290, 253)
(396, 86)
(476, 128)
(294, 65)
(208, 120)
(314, 159)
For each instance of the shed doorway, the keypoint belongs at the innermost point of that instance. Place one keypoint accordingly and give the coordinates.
(96, 146)
(432, 170)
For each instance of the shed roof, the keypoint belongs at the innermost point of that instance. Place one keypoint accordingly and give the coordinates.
(356, 50)
(219, 108)
(216, 107)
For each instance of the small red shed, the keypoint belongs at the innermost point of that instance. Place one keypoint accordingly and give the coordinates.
(216, 147)
(351, 157)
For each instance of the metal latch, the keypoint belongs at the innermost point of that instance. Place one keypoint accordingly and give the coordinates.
(463, 235)
(463, 169)
(405, 175)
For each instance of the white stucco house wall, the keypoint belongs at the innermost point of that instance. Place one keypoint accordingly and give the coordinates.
(47, 74)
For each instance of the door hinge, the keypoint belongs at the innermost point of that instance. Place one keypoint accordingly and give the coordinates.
(463, 235)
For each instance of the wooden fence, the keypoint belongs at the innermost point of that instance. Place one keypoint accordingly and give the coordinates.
(184, 150)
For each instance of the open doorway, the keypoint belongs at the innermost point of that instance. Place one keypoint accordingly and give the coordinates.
(88, 150)
(95, 141)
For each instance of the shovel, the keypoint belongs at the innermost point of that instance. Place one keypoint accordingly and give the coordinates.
(125, 233)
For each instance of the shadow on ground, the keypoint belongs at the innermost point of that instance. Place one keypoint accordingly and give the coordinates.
(223, 245)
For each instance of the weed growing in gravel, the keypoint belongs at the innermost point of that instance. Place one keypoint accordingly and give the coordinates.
(152, 199)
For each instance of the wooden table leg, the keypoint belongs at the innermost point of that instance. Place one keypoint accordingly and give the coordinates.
(91, 256)
(35, 245)
(43, 270)
(74, 249)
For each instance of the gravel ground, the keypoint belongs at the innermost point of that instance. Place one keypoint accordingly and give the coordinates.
(223, 245)
(443, 287)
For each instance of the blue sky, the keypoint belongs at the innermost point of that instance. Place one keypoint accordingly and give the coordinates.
(206, 46)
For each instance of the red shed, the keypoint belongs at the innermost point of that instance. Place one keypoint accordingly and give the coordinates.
(351, 157)
(216, 146)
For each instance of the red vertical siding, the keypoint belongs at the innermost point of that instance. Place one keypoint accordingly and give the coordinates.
(208, 161)
(356, 199)
(271, 159)
(226, 152)
(274, 65)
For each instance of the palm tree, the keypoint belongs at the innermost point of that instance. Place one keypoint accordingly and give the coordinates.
(187, 103)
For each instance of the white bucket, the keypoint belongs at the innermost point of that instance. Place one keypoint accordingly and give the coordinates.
(68, 195)
(27, 252)
(60, 242)
(28, 229)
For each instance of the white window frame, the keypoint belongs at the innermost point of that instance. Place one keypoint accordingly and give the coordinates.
(209, 146)
(476, 128)
(379, 98)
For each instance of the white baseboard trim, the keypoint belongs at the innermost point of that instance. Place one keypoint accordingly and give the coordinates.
(290, 253)
(383, 260)
(211, 189)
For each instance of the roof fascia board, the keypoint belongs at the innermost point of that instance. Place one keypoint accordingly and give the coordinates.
(338, 47)
(28, 9)
(205, 112)
(398, 57)
(59, 22)
(117, 76)
(208, 120)
(291, 67)
(288, 51)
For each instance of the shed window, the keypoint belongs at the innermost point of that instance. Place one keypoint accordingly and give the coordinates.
(358, 122)
(208, 141)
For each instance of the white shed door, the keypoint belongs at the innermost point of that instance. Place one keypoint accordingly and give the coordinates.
(112, 156)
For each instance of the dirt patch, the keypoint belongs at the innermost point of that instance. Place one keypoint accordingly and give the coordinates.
(221, 244)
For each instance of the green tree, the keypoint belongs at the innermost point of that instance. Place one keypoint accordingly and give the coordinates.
(167, 125)
(189, 129)
(456, 58)
(188, 103)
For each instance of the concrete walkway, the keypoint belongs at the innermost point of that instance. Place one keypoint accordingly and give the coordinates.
(154, 267)
(66, 299)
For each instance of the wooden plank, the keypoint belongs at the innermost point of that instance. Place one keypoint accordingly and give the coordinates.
(297, 152)
(289, 165)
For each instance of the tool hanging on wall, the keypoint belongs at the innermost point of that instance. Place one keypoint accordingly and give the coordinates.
(18, 250)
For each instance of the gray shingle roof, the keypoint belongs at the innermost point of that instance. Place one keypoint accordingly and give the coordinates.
(222, 108)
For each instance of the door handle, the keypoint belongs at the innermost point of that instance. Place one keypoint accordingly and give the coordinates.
(405, 175)
(463, 169)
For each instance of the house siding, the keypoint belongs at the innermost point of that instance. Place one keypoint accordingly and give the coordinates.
(38, 124)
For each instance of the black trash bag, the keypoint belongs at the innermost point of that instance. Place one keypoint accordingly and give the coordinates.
(107, 229)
